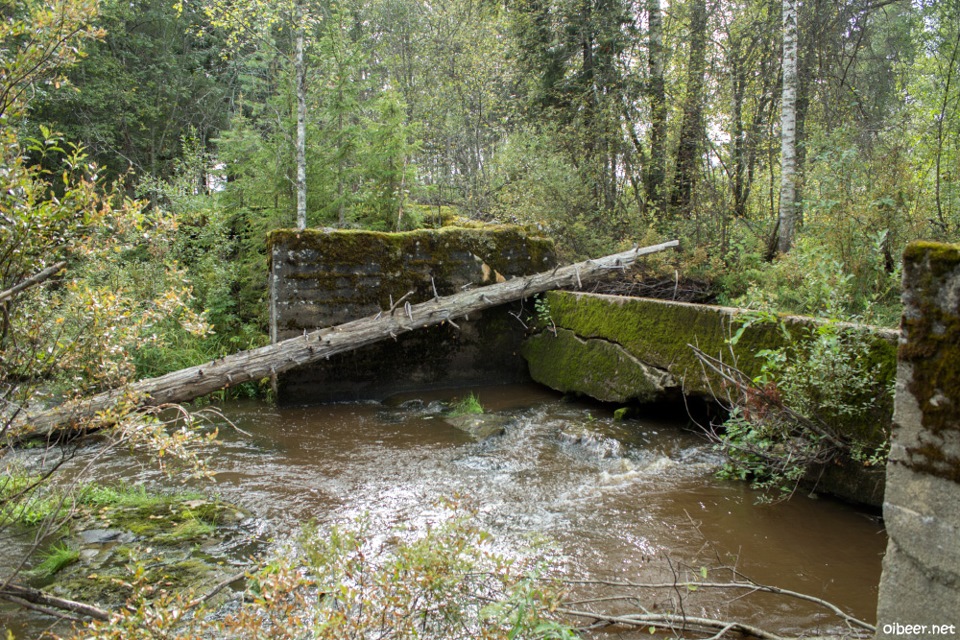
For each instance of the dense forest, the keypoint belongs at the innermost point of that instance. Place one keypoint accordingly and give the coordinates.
(148, 147)
(793, 148)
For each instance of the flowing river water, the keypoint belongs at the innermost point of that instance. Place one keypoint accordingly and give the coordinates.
(635, 500)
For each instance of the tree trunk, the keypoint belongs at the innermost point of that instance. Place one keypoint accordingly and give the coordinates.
(193, 382)
(691, 127)
(301, 72)
(656, 170)
(788, 130)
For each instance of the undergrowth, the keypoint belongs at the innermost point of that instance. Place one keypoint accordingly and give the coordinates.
(445, 581)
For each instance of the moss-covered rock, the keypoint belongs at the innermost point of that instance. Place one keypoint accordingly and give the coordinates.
(930, 351)
(921, 511)
(595, 367)
(137, 542)
(660, 332)
(372, 265)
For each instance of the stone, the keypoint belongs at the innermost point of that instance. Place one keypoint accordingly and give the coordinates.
(480, 426)
(104, 536)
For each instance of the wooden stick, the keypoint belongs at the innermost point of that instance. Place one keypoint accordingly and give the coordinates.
(31, 281)
(675, 622)
(20, 594)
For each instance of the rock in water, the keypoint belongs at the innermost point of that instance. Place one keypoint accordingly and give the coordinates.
(480, 426)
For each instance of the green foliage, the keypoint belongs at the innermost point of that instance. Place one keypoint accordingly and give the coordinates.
(811, 280)
(467, 405)
(446, 581)
(820, 397)
(21, 502)
(537, 185)
(544, 318)
(155, 74)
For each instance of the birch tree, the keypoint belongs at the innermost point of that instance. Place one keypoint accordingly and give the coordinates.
(251, 21)
(788, 131)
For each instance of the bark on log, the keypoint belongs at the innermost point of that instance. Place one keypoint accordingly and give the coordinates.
(186, 384)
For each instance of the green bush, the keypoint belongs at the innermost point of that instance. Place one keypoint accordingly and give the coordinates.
(823, 396)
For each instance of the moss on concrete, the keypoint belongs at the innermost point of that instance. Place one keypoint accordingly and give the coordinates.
(597, 368)
(659, 332)
(403, 257)
(931, 328)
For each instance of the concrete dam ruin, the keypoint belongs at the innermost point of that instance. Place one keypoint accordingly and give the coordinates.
(629, 350)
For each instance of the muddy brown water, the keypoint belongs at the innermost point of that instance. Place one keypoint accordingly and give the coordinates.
(636, 500)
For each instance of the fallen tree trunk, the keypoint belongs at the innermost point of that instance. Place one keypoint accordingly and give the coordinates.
(186, 384)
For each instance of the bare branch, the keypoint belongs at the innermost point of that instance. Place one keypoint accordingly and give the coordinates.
(32, 281)
(749, 586)
(676, 623)
(20, 594)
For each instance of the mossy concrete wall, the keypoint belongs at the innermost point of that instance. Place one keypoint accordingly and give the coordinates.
(921, 569)
(602, 341)
(323, 278)
(660, 332)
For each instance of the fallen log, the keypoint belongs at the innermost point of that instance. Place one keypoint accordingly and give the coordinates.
(186, 384)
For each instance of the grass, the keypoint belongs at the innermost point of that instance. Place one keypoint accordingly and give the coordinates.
(468, 405)
(172, 517)
(29, 507)
(131, 498)
(55, 559)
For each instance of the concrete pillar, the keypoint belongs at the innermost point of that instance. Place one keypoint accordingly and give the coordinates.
(920, 587)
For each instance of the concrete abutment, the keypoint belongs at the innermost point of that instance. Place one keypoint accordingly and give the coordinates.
(920, 586)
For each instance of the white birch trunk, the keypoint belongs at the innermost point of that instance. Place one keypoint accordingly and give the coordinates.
(788, 130)
(301, 73)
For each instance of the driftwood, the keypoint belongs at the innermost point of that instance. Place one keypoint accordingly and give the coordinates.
(50, 604)
(31, 281)
(255, 364)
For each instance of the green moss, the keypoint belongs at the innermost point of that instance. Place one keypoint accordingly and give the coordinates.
(931, 329)
(190, 528)
(346, 254)
(597, 368)
(933, 253)
(659, 332)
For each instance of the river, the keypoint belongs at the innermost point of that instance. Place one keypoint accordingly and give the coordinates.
(636, 500)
